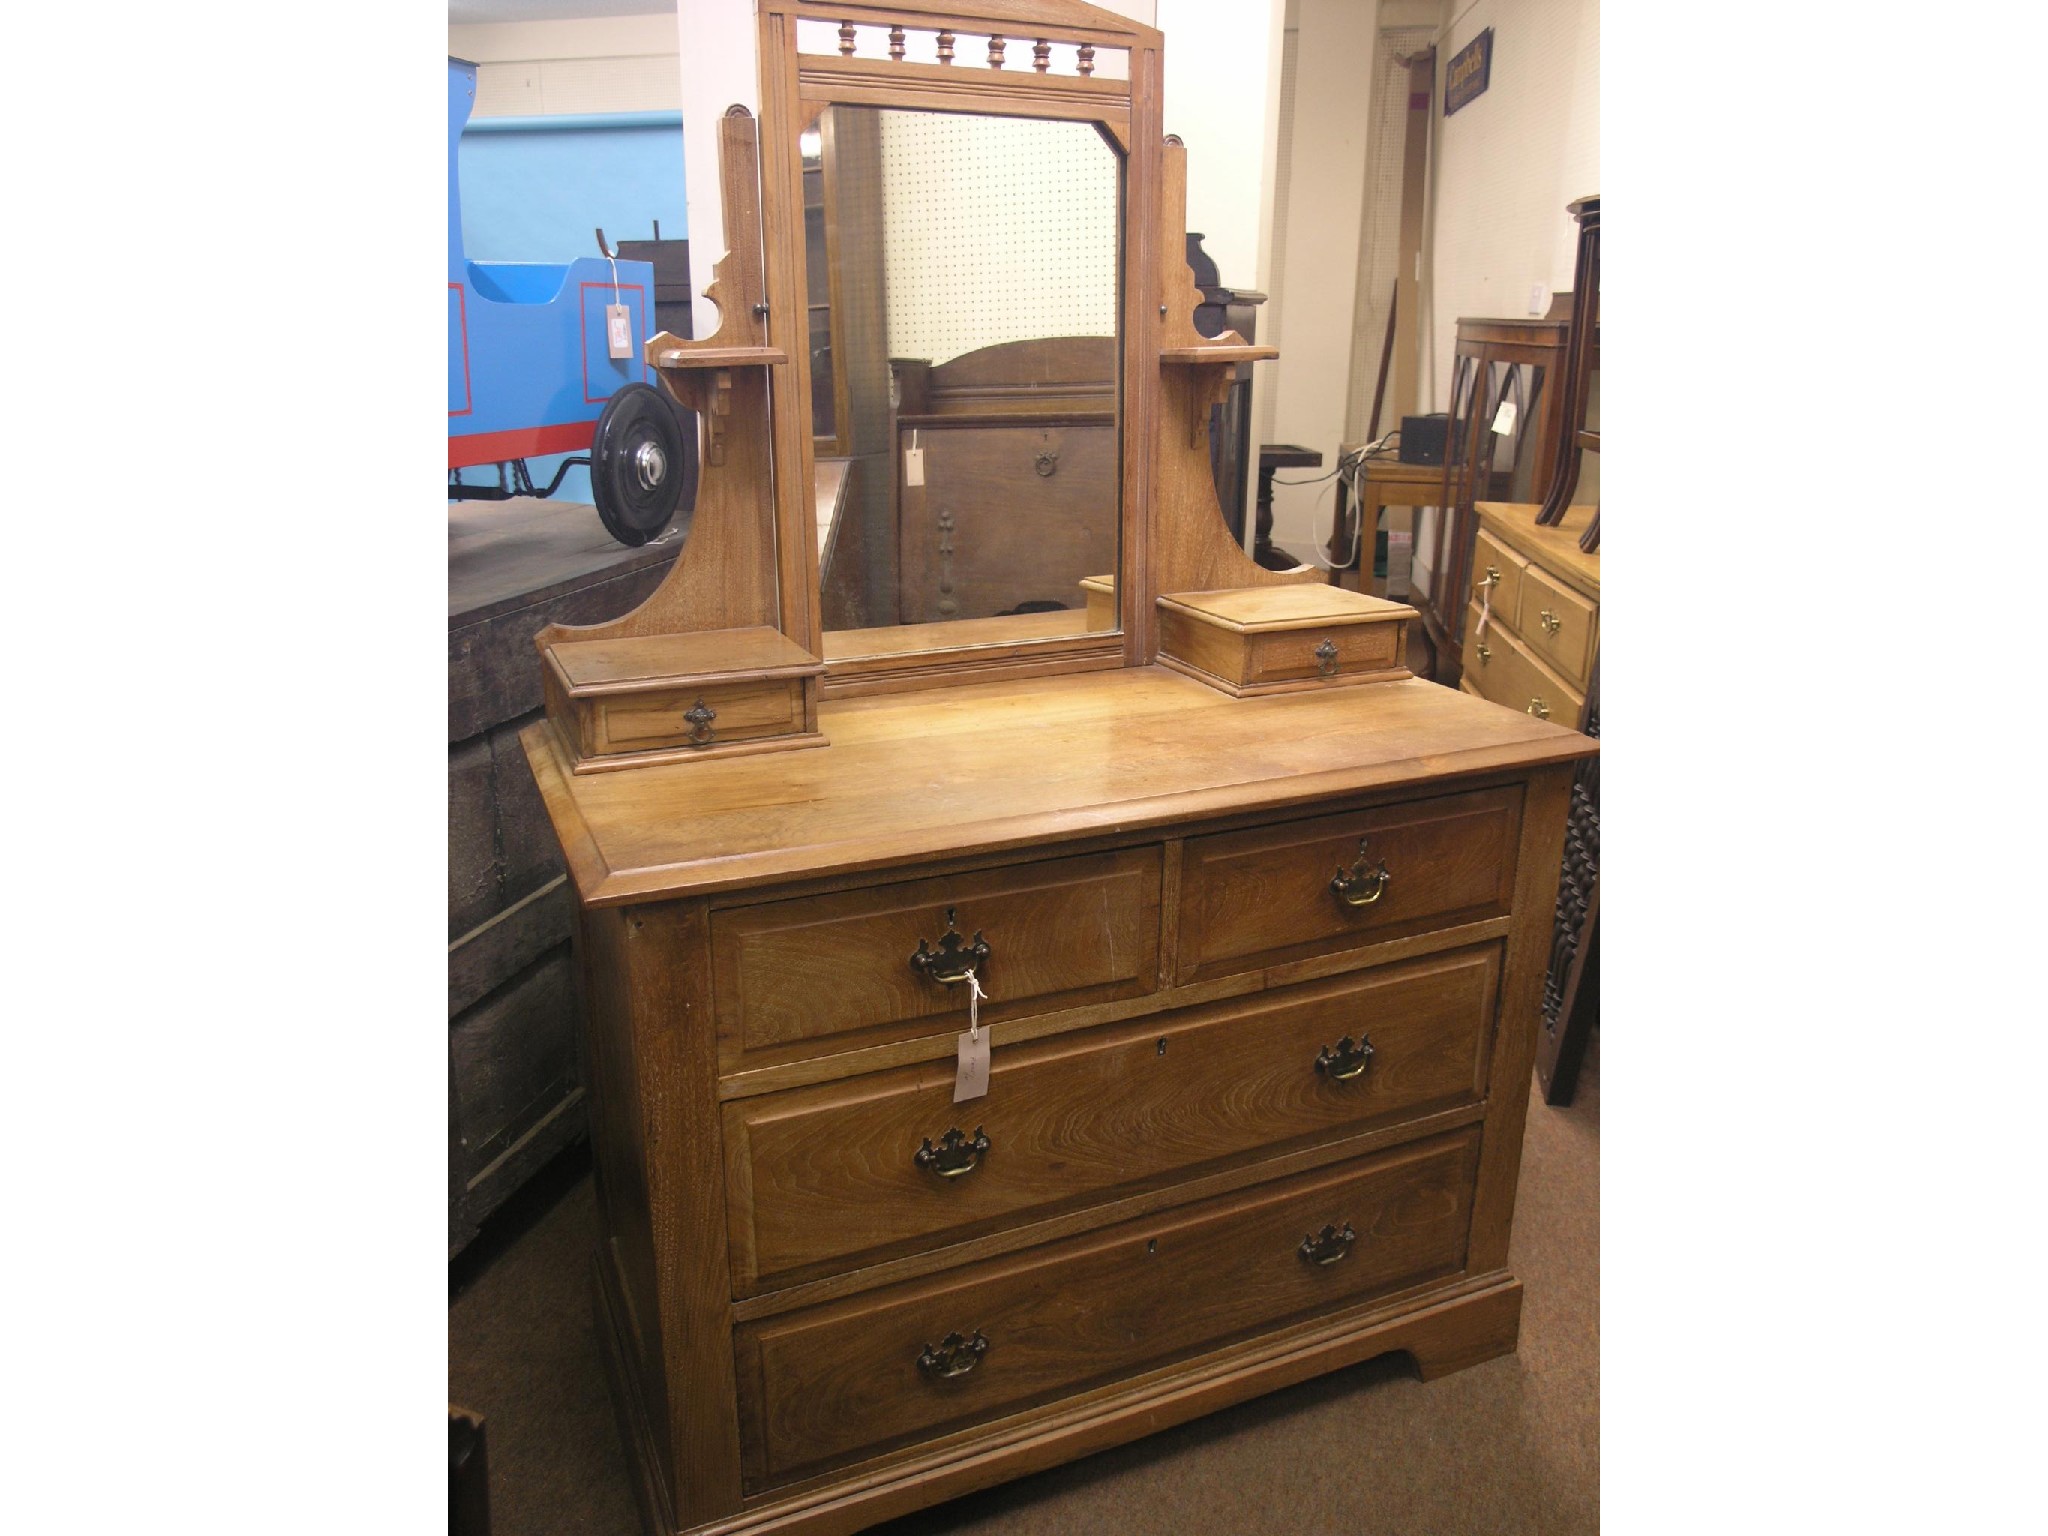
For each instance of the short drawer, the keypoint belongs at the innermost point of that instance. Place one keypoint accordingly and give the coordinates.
(1500, 569)
(1300, 655)
(698, 716)
(825, 1178)
(1265, 895)
(1505, 672)
(1557, 625)
(828, 1384)
(1060, 933)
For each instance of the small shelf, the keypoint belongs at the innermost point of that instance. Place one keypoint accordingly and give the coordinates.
(1243, 352)
(719, 357)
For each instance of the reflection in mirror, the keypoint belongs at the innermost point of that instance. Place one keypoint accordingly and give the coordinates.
(961, 272)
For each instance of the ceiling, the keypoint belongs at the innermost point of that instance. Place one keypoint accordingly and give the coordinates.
(470, 12)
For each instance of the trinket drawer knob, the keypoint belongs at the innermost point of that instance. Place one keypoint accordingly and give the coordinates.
(699, 717)
(952, 1356)
(954, 960)
(1345, 1060)
(1328, 1246)
(1551, 622)
(955, 1156)
(1538, 708)
(1326, 658)
(1359, 886)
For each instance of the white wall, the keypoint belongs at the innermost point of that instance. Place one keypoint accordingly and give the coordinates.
(547, 68)
(1505, 167)
(1316, 288)
(1223, 99)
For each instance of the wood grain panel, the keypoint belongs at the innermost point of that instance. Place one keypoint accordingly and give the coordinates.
(821, 1179)
(1262, 896)
(819, 1386)
(987, 531)
(1060, 933)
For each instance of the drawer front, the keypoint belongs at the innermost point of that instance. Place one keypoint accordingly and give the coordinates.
(1060, 934)
(1264, 896)
(826, 1384)
(1558, 626)
(642, 722)
(1289, 655)
(1490, 555)
(824, 1178)
(1507, 674)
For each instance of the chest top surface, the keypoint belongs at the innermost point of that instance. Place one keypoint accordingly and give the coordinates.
(1009, 765)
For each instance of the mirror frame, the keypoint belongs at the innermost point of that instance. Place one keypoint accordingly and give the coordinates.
(795, 90)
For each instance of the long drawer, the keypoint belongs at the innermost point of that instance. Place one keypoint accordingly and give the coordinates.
(1265, 896)
(826, 1384)
(1060, 933)
(823, 1178)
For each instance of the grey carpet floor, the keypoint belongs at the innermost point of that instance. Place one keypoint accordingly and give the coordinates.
(1509, 1448)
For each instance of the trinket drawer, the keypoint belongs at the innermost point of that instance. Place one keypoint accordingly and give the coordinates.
(1262, 982)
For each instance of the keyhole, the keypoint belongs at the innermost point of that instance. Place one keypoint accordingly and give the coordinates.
(1162, 1047)
(1152, 1245)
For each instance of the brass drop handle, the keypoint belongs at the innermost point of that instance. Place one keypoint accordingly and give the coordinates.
(1492, 577)
(1539, 709)
(1486, 653)
(1345, 1060)
(1328, 1246)
(954, 960)
(1360, 887)
(1326, 658)
(952, 1356)
(1551, 622)
(700, 715)
(955, 1156)
(1046, 461)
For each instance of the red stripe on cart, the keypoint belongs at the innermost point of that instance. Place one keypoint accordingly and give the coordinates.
(521, 443)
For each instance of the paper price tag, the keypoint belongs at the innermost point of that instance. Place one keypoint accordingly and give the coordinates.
(618, 330)
(1504, 418)
(970, 1076)
(970, 1073)
(913, 466)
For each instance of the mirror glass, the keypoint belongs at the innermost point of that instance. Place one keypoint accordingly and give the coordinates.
(962, 274)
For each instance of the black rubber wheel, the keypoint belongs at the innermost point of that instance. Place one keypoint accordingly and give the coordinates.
(641, 463)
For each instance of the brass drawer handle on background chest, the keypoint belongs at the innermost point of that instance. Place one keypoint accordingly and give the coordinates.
(955, 1156)
(699, 716)
(1328, 1246)
(1486, 653)
(1345, 1060)
(1492, 577)
(1538, 708)
(1551, 622)
(952, 1356)
(954, 960)
(1361, 887)
(1326, 658)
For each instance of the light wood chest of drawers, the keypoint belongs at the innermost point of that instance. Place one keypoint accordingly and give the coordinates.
(1263, 977)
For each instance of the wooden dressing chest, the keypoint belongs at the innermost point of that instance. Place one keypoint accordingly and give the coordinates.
(1261, 955)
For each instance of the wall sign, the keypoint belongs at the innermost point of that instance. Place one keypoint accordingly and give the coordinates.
(1467, 75)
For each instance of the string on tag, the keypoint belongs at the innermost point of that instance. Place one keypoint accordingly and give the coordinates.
(974, 997)
(615, 277)
(1485, 608)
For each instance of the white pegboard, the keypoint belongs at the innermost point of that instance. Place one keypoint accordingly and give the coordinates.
(995, 229)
